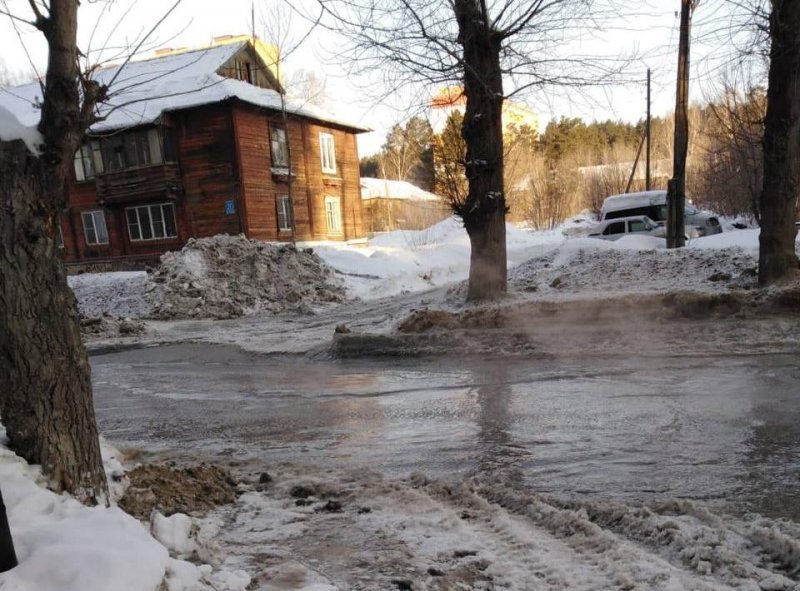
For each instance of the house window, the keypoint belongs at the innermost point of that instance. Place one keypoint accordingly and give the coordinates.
(333, 215)
(284, 214)
(132, 148)
(280, 150)
(88, 161)
(151, 222)
(59, 237)
(327, 153)
(94, 227)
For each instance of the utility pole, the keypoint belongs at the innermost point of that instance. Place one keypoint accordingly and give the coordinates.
(676, 188)
(647, 185)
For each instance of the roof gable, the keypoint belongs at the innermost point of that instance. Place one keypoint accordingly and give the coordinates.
(142, 90)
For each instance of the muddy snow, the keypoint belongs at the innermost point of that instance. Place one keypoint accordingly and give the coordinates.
(315, 529)
(219, 277)
(305, 526)
(230, 276)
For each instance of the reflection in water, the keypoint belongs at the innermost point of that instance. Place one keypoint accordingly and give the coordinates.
(772, 459)
(725, 429)
(498, 455)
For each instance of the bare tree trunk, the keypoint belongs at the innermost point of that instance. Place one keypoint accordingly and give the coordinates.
(484, 209)
(46, 403)
(45, 386)
(778, 201)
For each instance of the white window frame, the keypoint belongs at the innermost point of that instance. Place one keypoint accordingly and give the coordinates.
(333, 217)
(149, 207)
(327, 152)
(279, 147)
(59, 237)
(92, 216)
(284, 205)
(88, 161)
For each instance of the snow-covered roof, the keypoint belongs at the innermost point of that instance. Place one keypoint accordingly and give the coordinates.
(639, 199)
(385, 189)
(11, 129)
(143, 90)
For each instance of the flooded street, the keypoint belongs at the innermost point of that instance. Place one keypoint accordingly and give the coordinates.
(721, 429)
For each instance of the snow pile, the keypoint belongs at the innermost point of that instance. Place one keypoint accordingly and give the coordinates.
(230, 276)
(118, 294)
(11, 129)
(634, 265)
(406, 261)
(63, 545)
(109, 327)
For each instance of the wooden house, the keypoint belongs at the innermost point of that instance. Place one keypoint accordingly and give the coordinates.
(193, 144)
(398, 205)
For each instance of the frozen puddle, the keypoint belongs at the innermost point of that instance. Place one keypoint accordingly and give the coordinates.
(471, 474)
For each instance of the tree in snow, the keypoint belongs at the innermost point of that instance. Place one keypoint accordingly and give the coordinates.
(45, 384)
(478, 45)
(407, 154)
(778, 202)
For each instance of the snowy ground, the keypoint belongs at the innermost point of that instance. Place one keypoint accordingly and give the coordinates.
(357, 530)
(62, 545)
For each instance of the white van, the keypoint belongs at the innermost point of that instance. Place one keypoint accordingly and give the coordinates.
(653, 204)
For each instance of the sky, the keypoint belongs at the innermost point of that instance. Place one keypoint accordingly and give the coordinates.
(648, 31)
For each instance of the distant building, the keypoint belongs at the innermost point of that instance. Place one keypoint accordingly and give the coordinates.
(452, 98)
(399, 205)
(192, 144)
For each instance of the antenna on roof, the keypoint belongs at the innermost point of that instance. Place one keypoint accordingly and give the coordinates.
(253, 21)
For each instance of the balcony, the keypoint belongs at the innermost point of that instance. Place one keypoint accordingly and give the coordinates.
(145, 183)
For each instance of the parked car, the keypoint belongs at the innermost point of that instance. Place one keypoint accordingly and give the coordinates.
(616, 228)
(653, 204)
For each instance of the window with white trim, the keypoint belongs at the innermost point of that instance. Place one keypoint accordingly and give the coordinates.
(88, 161)
(284, 213)
(59, 237)
(94, 227)
(327, 153)
(333, 214)
(280, 150)
(151, 222)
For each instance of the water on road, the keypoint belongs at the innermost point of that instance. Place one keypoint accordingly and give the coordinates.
(723, 429)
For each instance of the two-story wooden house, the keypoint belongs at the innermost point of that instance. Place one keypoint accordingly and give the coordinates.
(194, 144)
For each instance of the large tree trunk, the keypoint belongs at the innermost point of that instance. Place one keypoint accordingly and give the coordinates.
(778, 201)
(45, 386)
(484, 209)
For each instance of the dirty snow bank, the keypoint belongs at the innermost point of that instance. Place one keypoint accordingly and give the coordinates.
(636, 264)
(229, 276)
(308, 528)
(407, 261)
(63, 545)
(119, 294)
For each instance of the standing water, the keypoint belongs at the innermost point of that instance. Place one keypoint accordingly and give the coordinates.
(724, 429)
